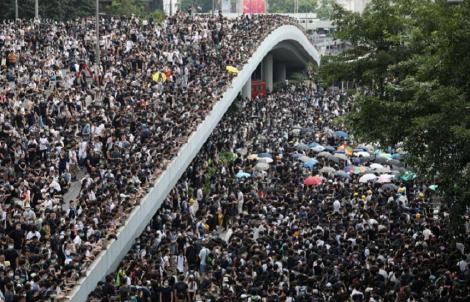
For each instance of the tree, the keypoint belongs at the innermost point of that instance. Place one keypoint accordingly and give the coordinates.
(412, 58)
(325, 9)
(126, 7)
(287, 6)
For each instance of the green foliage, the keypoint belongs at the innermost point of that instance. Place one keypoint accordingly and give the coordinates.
(325, 9)
(159, 15)
(126, 8)
(412, 58)
(287, 6)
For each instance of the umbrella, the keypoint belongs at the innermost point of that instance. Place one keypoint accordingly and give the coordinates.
(318, 148)
(361, 154)
(313, 180)
(324, 154)
(310, 163)
(267, 160)
(327, 170)
(262, 166)
(313, 145)
(380, 160)
(265, 155)
(356, 169)
(296, 154)
(333, 158)
(232, 69)
(342, 174)
(341, 156)
(304, 158)
(242, 151)
(330, 148)
(342, 134)
(376, 166)
(395, 162)
(389, 187)
(383, 170)
(408, 175)
(367, 177)
(384, 155)
(242, 174)
(253, 156)
(302, 147)
(295, 132)
(385, 178)
(433, 187)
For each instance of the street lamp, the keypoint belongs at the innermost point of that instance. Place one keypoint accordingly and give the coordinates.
(36, 9)
(97, 56)
(16, 10)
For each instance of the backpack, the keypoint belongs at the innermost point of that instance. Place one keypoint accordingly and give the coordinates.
(181, 289)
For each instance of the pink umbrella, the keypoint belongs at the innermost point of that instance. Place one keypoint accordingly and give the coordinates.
(313, 180)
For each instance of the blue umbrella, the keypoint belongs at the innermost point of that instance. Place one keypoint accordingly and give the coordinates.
(359, 149)
(242, 174)
(342, 134)
(265, 155)
(310, 163)
(340, 151)
(330, 148)
(296, 154)
(313, 145)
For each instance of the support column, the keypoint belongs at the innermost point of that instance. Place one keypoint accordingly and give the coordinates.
(267, 72)
(246, 91)
(281, 72)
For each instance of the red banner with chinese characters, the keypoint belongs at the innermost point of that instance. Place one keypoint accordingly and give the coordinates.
(254, 6)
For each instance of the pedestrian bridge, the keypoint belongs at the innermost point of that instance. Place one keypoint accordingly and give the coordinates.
(285, 48)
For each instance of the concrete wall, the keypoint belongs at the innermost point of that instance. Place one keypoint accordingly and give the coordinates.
(109, 259)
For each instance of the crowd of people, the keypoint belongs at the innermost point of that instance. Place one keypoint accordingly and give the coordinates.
(280, 205)
(64, 119)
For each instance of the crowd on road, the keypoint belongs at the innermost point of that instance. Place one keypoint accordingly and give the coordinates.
(281, 205)
(63, 120)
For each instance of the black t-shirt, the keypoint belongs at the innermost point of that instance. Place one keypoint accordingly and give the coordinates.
(11, 255)
(181, 289)
(166, 293)
(18, 237)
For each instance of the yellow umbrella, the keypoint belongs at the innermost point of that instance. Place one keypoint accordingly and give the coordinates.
(155, 76)
(253, 156)
(232, 69)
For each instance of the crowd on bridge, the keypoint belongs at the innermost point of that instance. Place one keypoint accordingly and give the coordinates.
(64, 121)
(281, 205)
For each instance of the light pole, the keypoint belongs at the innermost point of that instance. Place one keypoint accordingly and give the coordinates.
(97, 58)
(16, 9)
(36, 9)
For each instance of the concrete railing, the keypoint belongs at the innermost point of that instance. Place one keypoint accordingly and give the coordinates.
(108, 260)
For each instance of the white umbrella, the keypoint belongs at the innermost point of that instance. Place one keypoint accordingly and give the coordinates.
(265, 160)
(262, 166)
(327, 170)
(367, 177)
(361, 154)
(385, 178)
(324, 154)
(376, 166)
(304, 158)
(318, 148)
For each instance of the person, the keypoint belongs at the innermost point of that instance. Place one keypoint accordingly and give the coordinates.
(203, 255)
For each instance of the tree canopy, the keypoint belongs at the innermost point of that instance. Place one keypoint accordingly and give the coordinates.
(71, 9)
(411, 60)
